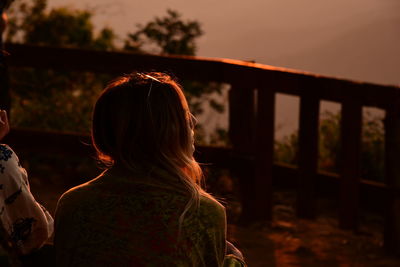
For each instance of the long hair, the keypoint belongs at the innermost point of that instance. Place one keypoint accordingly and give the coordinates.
(143, 119)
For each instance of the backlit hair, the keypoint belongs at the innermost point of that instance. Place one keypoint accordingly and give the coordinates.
(143, 119)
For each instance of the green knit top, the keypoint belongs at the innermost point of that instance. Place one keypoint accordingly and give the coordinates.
(132, 219)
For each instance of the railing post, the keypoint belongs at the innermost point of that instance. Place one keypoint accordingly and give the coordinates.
(264, 150)
(308, 152)
(241, 133)
(351, 125)
(392, 151)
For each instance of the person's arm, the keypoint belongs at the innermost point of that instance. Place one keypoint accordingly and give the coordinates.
(27, 223)
(217, 250)
(233, 257)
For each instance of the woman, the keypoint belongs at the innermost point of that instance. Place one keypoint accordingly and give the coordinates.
(148, 207)
(25, 225)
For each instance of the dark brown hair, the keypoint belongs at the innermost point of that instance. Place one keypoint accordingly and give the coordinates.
(143, 119)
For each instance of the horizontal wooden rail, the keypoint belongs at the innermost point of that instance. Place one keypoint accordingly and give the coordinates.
(201, 69)
(38, 141)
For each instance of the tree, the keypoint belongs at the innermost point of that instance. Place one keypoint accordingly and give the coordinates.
(172, 35)
(329, 142)
(42, 97)
(66, 27)
(372, 153)
(286, 150)
(166, 35)
(48, 99)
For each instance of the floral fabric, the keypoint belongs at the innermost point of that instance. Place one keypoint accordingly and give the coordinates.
(25, 223)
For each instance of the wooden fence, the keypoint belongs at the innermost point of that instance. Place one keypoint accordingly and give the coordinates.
(251, 127)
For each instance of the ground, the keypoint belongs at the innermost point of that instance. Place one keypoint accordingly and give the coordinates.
(290, 241)
(309, 243)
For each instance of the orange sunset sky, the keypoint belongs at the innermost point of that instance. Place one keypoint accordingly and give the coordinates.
(357, 39)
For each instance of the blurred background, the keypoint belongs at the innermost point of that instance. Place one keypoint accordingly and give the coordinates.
(354, 39)
(357, 39)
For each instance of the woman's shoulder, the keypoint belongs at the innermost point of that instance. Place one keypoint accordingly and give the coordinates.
(79, 192)
(208, 201)
(75, 192)
(211, 208)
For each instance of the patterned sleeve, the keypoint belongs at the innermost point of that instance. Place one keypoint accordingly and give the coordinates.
(28, 224)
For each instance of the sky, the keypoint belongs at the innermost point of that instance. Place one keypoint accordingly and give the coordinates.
(356, 39)
(352, 39)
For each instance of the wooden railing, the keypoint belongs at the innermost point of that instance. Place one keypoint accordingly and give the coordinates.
(251, 127)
